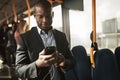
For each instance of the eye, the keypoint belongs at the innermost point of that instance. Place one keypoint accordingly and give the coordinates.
(39, 16)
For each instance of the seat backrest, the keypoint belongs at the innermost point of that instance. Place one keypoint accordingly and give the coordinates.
(82, 68)
(117, 55)
(106, 66)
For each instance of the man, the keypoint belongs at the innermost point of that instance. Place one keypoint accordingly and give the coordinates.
(31, 60)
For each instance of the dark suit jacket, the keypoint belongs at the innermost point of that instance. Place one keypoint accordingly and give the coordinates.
(28, 49)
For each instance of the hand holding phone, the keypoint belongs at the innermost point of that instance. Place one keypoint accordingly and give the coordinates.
(49, 50)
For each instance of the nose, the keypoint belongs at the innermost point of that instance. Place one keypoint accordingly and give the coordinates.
(44, 19)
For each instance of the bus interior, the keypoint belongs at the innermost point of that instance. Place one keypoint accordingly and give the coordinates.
(92, 26)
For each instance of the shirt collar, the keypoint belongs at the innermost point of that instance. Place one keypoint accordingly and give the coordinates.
(40, 31)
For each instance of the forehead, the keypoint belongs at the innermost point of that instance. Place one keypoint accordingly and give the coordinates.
(42, 9)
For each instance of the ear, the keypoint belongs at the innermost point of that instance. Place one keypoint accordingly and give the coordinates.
(34, 15)
(52, 14)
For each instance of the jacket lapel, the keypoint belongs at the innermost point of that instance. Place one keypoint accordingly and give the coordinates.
(35, 44)
(37, 40)
(56, 38)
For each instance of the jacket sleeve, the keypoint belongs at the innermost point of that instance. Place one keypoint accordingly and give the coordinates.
(24, 68)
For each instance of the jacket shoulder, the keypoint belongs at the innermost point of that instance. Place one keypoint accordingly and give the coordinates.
(30, 32)
(58, 32)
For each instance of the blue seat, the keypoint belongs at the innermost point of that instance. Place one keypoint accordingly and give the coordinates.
(106, 66)
(117, 54)
(82, 68)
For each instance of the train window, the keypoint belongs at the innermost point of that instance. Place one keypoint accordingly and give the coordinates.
(108, 19)
(107, 24)
(57, 19)
(80, 26)
(32, 21)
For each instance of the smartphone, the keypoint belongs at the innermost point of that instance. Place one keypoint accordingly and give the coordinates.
(49, 50)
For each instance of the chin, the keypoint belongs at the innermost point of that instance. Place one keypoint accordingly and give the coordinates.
(45, 28)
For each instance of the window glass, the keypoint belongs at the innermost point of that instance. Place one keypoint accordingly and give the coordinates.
(57, 19)
(107, 23)
(80, 26)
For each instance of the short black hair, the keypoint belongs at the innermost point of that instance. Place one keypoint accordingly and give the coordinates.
(44, 3)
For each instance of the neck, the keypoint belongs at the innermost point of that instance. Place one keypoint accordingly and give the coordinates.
(46, 31)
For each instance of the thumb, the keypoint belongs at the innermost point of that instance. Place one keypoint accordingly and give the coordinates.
(42, 52)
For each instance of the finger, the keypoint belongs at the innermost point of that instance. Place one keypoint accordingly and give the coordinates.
(51, 61)
(62, 64)
(42, 52)
(47, 57)
(60, 54)
(57, 52)
(60, 58)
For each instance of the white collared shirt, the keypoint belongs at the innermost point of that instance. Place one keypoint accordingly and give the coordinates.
(48, 39)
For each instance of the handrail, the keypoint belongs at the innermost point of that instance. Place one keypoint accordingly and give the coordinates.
(94, 20)
(14, 11)
(94, 44)
(5, 11)
(29, 12)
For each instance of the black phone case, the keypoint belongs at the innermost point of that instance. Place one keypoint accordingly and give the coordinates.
(49, 50)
